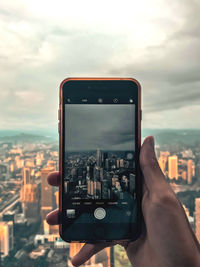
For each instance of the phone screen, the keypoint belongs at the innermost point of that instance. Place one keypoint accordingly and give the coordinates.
(99, 168)
(99, 160)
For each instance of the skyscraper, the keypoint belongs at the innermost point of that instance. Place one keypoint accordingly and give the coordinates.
(107, 164)
(197, 218)
(46, 197)
(121, 162)
(173, 167)
(190, 171)
(26, 175)
(105, 189)
(97, 189)
(6, 237)
(105, 156)
(98, 157)
(30, 201)
(29, 195)
(184, 175)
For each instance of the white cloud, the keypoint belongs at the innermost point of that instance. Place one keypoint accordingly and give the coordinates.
(43, 42)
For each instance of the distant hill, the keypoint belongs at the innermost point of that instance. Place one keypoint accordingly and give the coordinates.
(26, 138)
(166, 137)
(8, 133)
(174, 136)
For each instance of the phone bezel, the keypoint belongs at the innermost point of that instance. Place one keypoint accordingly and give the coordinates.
(95, 84)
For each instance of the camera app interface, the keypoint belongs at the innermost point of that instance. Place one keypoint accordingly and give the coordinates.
(99, 151)
(99, 162)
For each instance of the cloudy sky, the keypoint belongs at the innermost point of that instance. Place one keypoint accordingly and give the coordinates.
(108, 127)
(43, 42)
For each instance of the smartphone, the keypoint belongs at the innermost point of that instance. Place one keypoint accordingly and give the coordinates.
(99, 144)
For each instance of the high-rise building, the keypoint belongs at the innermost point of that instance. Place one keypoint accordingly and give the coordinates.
(105, 189)
(46, 198)
(184, 175)
(107, 165)
(91, 171)
(173, 167)
(19, 162)
(97, 173)
(117, 163)
(121, 162)
(114, 180)
(97, 189)
(30, 201)
(13, 166)
(98, 157)
(29, 195)
(190, 171)
(101, 174)
(26, 175)
(105, 156)
(197, 218)
(6, 237)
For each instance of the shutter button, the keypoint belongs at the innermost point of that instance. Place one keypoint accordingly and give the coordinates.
(100, 213)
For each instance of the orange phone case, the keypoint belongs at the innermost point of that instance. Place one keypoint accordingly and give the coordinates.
(60, 125)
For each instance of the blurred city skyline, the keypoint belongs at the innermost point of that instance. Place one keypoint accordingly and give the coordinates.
(155, 42)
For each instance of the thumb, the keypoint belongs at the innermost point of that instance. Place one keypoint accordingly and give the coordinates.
(153, 176)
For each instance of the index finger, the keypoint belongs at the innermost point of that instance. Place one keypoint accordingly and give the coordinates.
(54, 178)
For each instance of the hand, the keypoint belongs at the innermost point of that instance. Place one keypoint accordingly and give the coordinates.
(168, 240)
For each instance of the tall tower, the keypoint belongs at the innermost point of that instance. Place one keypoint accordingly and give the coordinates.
(197, 218)
(190, 170)
(46, 198)
(98, 157)
(173, 167)
(6, 237)
(30, 201)
(26, 175)
(105, 156)
(29, 196)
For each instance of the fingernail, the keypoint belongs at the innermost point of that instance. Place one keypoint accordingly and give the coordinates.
(151, 141)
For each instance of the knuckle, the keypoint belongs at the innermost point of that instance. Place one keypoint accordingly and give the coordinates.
(149, 162)
(167, 199)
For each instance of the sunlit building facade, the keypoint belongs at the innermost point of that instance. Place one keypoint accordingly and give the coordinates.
(6, 238)
(173, 167)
